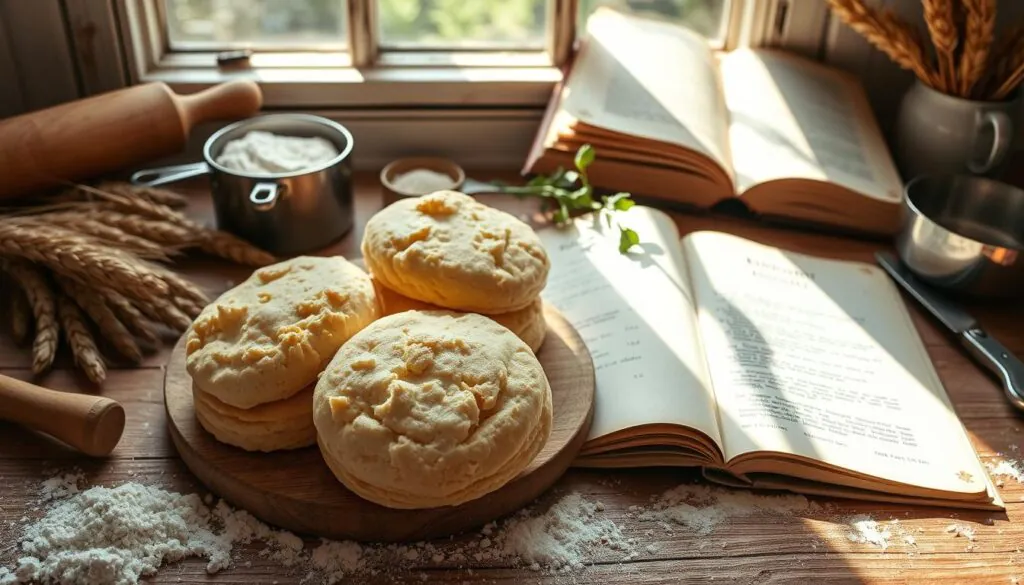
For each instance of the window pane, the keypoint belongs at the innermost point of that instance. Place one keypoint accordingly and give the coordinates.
(277, 23)
(706, 17)
(462, 23)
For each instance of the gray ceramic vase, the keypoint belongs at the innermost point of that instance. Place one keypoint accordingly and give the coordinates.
(941, 134)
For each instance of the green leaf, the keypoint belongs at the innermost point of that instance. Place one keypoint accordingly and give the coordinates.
(627, 239)
(607, 218)
(584, 157)
(569, 178)
(619, 202)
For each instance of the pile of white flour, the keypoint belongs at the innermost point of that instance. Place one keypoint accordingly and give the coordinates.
(262, 152)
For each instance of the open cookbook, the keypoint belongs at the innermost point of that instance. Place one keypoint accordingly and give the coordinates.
(767, 368)
(789, 138)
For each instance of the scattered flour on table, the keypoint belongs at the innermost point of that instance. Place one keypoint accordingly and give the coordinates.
(564, 536)
(336, 560)
(60, 486)
(1012, 468)
(866, 530)
(701, 508)
(264, 152)
(118, 535)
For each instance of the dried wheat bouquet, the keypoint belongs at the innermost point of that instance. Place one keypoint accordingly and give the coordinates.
(965, 59)
(92, 262)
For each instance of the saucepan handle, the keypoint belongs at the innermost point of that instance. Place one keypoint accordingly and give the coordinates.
(264, 196)
(172, 174)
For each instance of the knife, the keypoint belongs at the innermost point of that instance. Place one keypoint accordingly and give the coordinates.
(985, 348)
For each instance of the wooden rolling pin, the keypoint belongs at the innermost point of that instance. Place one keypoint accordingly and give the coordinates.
(91, 424)
(110, 131)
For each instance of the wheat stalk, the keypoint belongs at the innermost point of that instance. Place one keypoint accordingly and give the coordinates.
(168, 235)
(979, 33)
(1006, 56)
(41, 298)
(889, 34)
(221, 244)
(68, 253)
(152, 194)
(21, 316)
(109, 325)
(83, 346)
(100, 233)
(229, 247)
(938, 15)
(130, 315)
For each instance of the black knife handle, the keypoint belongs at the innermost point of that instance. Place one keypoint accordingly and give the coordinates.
(1000, 360)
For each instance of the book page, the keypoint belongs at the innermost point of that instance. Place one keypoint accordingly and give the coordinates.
(649, 79)
(818, 358)
(636, 315)
(791, 118)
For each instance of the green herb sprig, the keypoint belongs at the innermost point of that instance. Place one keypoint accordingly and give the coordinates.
(566, 193)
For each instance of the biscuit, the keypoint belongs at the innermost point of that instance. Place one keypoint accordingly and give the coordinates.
(270, 336)
(272, 426)
(528, 323)
(431, 408)
(449, 250)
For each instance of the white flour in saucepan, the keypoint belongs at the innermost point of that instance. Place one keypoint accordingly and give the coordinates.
(263, 152)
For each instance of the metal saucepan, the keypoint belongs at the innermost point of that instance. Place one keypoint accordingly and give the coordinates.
(964, 234)
(284, 213)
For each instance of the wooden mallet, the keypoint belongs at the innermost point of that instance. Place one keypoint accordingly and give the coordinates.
(91, 424)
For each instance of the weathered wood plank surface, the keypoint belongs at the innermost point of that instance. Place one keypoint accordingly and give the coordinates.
(810, 546)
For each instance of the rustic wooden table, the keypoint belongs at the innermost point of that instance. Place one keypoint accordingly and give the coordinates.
(755, 548)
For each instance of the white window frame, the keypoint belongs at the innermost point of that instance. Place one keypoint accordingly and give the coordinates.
(366, 79)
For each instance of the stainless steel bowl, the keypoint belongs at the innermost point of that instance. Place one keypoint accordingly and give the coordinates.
(964, 234)
(284, 213)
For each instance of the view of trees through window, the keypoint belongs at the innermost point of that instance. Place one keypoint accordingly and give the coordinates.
(404, 23)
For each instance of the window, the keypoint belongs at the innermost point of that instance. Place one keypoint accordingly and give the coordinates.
(408, 25)
(222, 24)
(707, 17)
(462, 24)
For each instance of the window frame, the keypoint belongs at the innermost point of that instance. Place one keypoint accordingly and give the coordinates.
(483, 115)
(368, 78)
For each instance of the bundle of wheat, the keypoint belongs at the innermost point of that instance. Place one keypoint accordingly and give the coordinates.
(966, 59)
(91, 256)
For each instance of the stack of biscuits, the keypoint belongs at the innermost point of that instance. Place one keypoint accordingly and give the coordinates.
(255, 353)
(421, 385)
(448, 251)
(443, 400)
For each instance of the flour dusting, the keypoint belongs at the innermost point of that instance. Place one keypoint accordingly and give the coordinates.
(563, 536)
(866, 530)
(1012, 468)
(701, 508)
(60, 486)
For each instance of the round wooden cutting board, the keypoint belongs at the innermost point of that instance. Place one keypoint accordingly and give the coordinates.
(295, 490)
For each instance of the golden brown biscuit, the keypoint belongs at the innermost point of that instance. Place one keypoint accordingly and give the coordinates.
(435, 408)
(447, 249)
(528, 323)
(270, 336)
(272, 426)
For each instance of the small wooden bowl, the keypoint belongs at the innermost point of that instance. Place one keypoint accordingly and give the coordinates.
(403, 165)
